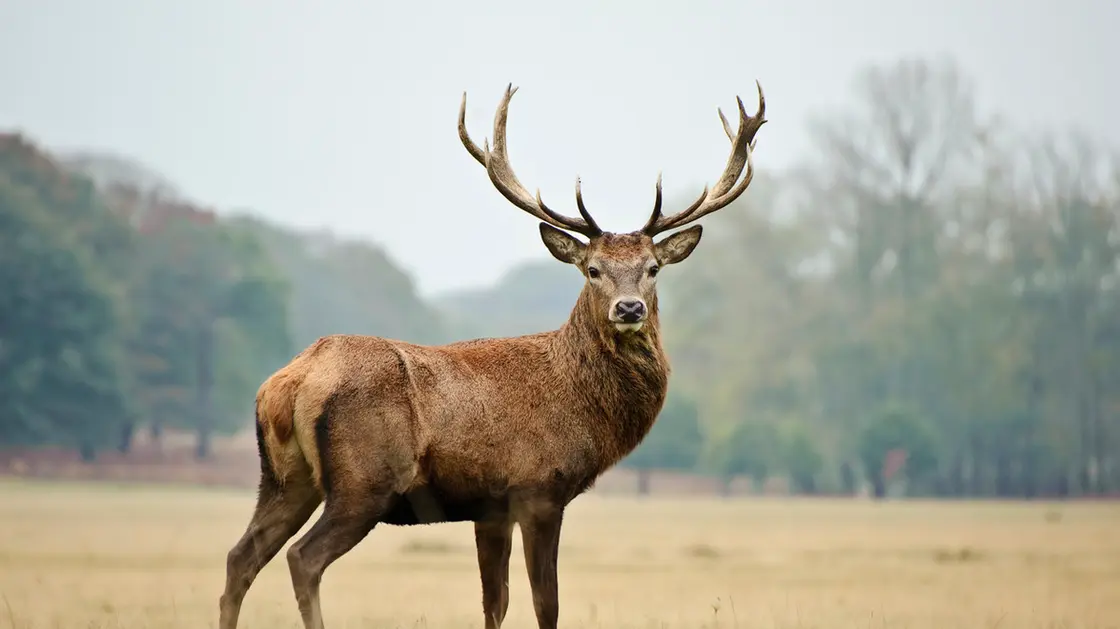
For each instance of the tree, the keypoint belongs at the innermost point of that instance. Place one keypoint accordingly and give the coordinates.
(341, 286)
(895, 429)
(59, 329)
(926, 256)
(221, 325)
(752, 448)
(674, 442)
(801, 458)
(209, 313)
(1066, 249)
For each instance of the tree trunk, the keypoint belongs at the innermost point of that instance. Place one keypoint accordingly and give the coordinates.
(1062, 490)
(847, 478)
(1031, 462)
(878, 486)
(956, 477)
(805, 485)
(1003, 474)
(1029, 480)
(1085, 459)
(643, 481)
(976, 478)
(1114, 484)
(204, 392)
(155, 430)
(1100, 447)
(725, 486)
(87, 451)
(760, 483)
(124, 446)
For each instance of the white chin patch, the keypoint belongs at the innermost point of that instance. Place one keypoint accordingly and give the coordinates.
(628, 327)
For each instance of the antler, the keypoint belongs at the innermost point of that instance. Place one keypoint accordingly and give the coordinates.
(725, 190)
(501, 174)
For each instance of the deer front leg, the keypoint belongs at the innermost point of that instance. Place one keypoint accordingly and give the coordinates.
(494, 541)
(540, 534)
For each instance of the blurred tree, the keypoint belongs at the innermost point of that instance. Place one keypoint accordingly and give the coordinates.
(752, 448)
(530, 298)
(216, 320)
(60, 318)
(1066, 248)
(801, 458)
(924, 255)
(345, 287)
(673, 443)
(896, 429)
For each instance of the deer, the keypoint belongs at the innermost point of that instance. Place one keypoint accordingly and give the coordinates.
(494, 431)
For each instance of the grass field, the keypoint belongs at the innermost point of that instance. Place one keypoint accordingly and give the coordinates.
(81, 556)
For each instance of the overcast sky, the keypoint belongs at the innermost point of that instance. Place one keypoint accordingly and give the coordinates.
(342, 114)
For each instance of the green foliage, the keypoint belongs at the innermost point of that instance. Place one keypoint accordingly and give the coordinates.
(675, 440)
(212, 320)
(895, 428)
(122, 305)
(922, 255)
(345, 287)
(801, 458)
(752, 448)
(60, 325)
(531, 298)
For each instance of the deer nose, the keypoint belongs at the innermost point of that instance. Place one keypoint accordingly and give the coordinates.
(630, 310)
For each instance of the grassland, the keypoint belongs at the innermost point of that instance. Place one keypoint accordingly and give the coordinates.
(85, 555)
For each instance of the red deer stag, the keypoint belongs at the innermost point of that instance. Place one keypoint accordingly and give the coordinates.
(492, 431)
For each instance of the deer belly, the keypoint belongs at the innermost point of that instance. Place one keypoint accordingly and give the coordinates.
(428, 505)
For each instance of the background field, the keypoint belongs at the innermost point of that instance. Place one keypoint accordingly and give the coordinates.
(77, 555)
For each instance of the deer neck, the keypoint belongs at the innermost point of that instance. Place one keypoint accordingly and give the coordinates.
(620, 378)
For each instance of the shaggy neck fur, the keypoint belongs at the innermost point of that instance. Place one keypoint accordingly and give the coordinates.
(620, 377)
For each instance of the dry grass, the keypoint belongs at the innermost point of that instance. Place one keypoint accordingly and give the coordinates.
(79, 556)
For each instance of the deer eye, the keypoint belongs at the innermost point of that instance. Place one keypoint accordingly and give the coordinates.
(592, 272)
(653, 270)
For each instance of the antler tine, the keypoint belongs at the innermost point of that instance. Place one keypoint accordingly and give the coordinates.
(465, 137)
(725, 190)
(726, 125)
(656, 215)
(583, 209)
(501, 174)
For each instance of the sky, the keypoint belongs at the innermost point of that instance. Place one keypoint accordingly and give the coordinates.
(342, 114)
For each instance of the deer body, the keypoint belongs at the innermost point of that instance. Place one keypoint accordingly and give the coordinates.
(429, 413)
(493, 431)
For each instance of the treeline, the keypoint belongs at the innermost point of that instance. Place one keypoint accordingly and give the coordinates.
(929, 304)
(125, 306)
(933, 299)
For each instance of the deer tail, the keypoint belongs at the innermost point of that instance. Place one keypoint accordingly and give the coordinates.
(280, 453)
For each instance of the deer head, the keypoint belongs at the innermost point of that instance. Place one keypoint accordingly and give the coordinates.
(621, 269)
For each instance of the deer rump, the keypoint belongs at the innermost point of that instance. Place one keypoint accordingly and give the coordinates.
(359, 414)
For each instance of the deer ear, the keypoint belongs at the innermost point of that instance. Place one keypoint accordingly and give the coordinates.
(562, 245)
(679, 246)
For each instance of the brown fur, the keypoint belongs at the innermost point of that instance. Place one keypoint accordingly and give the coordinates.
(494, 431)
(464, 418)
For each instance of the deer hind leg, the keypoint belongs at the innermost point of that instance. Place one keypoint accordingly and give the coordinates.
(360, 483)
(494, 541)
(279, 514)
(344, 523)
